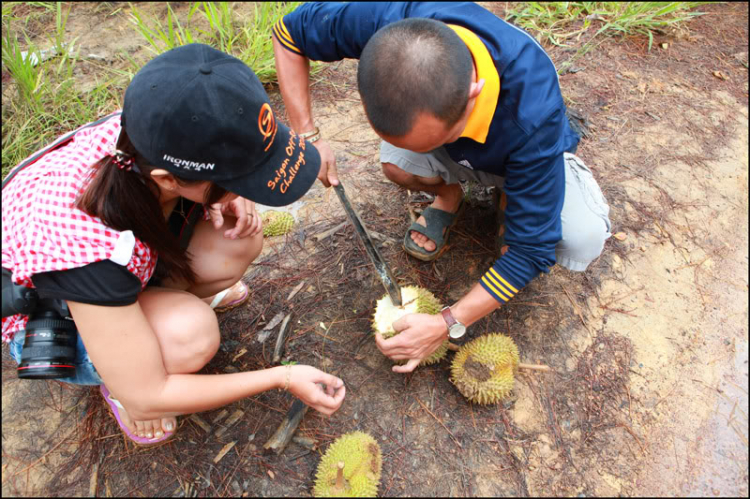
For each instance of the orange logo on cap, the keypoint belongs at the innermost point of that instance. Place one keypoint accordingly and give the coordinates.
(267, 124)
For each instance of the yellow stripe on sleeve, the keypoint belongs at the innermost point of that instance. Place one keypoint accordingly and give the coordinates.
(508, 293)
(283, 41)
(489, 285)
(503, 280)
(284, 30)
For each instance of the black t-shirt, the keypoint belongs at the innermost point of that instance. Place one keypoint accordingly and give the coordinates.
(101, 283)
(105, 282)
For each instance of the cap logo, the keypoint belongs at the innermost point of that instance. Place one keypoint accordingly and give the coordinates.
(267, 125)
(188, 165)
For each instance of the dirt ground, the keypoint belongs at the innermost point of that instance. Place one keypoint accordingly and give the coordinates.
(649, 347)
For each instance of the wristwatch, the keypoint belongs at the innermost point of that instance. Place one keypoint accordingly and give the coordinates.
(455, 328)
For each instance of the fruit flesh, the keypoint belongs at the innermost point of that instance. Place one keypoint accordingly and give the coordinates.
(414, 300)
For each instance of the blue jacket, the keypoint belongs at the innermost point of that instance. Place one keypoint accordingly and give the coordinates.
(518, 129)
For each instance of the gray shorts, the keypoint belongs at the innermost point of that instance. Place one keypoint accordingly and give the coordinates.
(585, 213)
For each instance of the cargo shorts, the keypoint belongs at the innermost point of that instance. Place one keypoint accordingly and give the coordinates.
(585, 213)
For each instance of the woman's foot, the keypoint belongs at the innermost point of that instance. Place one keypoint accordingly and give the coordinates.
(142, 432)
(229, 298)
(449, 202)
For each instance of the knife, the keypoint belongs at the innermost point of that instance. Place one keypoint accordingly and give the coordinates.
(394, 291)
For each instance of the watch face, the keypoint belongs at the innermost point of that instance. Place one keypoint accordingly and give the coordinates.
(456, 331)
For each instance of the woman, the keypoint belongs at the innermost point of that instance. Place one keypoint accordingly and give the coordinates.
(86, 219)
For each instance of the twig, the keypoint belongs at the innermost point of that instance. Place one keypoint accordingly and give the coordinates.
(330, 232)
(223, 451)
(280, 340)
(236, 415)
(439, 421)
(286, 429)
(632, 433)
(577, 311)
(199, 421)
(412, 213)
(295, 290)
(534, 367)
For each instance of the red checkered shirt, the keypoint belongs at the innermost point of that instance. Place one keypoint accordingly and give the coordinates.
(42, 229)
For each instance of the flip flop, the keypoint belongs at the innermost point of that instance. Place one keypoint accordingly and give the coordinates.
(236, 303)
(436, 220)
(115, 406)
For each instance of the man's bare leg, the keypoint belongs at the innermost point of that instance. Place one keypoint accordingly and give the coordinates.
(447, 196)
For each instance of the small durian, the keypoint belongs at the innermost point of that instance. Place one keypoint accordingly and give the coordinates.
(483, 369)
(350, 467)
(414, 300)
(276, 223)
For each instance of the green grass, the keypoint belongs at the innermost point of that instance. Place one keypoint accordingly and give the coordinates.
(44, 101)
(558, 23)
(215, 24)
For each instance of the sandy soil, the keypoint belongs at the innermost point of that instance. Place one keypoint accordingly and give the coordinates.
(649, 346)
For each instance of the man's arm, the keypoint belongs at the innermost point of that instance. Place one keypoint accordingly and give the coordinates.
(294, 81)
(293, 72)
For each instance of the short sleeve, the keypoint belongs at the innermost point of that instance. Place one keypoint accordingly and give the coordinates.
(102, 283)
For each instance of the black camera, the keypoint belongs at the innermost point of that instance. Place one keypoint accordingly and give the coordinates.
(49, 348)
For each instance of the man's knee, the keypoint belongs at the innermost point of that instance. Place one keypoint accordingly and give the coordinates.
(406, 179)
(582, 245)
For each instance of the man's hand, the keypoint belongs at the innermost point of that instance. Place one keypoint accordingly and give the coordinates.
(420, 335)
(248, 221)
(327, 174)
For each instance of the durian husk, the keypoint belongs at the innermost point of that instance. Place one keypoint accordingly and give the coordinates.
(276, 223)
(483, 369)
(362, 460)
(414, 300)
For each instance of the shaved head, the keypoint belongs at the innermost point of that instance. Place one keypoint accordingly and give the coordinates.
(410, 67)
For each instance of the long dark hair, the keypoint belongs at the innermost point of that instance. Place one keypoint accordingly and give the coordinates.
(128, 200)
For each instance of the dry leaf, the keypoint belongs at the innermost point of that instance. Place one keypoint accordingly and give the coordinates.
(620, 236)
(720, 75)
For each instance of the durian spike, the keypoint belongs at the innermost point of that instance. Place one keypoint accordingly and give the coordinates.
(531, 367)
(340, 476)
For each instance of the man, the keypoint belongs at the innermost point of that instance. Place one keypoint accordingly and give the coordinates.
(456, 94)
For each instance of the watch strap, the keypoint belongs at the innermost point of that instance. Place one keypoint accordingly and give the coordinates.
(448, 317)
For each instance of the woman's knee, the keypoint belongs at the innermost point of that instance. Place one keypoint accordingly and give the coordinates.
(188, 335)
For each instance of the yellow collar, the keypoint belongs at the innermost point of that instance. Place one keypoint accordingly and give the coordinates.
(478, 125)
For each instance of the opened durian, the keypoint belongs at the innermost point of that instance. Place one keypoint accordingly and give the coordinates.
(350, 467)
(415, 300)
(276, 223)
(482, 369)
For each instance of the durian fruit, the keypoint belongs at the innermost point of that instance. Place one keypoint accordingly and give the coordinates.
(350, 467)
(414, 300)
(276, 223)
(483, 369)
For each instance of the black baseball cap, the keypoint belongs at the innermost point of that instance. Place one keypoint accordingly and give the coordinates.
(202, 114)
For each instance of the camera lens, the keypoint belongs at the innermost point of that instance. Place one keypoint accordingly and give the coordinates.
(49, 349)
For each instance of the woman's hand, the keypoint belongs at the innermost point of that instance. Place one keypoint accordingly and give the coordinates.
(305, 384)
(420, 335)
(248, 221)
